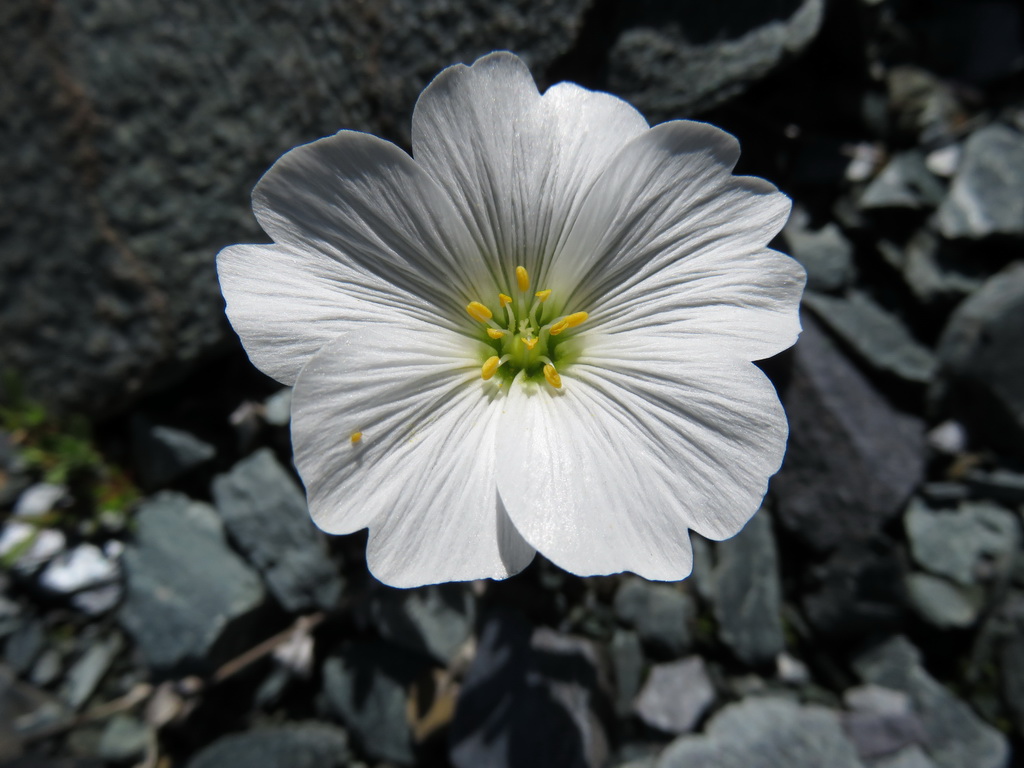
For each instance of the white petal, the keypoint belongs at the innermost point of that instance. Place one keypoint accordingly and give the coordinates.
(669, 238)
(363, 202)
(517, 164)
(608, 473)
(422, 477)
(285, 304)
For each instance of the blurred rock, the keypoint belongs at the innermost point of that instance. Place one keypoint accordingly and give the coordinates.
(748, 595)
(265, 513)
(676, 60)
(904, 182)
(987, 195)
(938, 272)
(189, 596)
(112, 106)
(964, 545)
(875, 334)
(1011, 663)
(981, 382)
(1002, 485)
(434, 620)
(911, 757)
(627, 658)
(367, 686)
(953, 734)
(531, 697)
(923, 107)
(293, 745)
(80, 569)
(124, 739)
(85, 674)
(825, 253)
(24, 645)
(943, 604)
(675, 696)
(24, 710)
(163, 454)
(767, 733)
(852, 460)
(660, 614)
(277, 409)
(881, 721)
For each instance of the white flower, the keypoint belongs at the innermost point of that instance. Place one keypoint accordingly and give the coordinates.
(534, 334)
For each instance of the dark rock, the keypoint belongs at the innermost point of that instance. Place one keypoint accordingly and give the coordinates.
(104, 116)
(163, 454)
(748, 595)
(660, 614)
(1000, 485)
(911, 757)
(85, 674)
(675, 60)
(987, 194)
(825, 253)
(981, 382)
(1011, 664)
(367, 686)
(295, 745)
(938, 272)
(923, 106)
(24, 711)
(954, 735)
(627, 657)
(875, 334)
(852, 460)
(881, 721)
(124, 739)
(47, 668)
(767, 733)
(24, 646)
(189, 595)
(434, 620)
(675, 696)
(905, 182)
(943, 604)
(964, 545)
(265, 513)
(531, 697)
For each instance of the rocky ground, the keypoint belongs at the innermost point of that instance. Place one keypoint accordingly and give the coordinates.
(164, 599)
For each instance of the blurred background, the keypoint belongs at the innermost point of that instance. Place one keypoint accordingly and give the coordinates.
(164, 599)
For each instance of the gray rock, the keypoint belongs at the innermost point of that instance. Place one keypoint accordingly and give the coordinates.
(124, 738)
(675, 60)
(660, 614)
(964, 545)
(24, 645)
(955, 736)
(911, 757)
(85, 674)
(265, 513)
(531, 697)
(825, 253)
(1002, 485)
(676, 695)
(938, 272)
(24, 711)
(982, 371)
(943, 604)
(875, 334)
(163, 454)
(748, 595)
(987, 194)
(104, 115)
(189, 596)
(38, 499)
(852, 460)
(294, 745)
(434, 620)
(627, 657)
(277, 409)
(78, 569)
(923, 106)
(47, 668)
(367, 687)
(905, 182)
(766, 733)
(881, 722)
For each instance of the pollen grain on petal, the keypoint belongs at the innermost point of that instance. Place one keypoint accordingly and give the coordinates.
(489, 367)
(479, 312)
(522, 278)
(357, 437)
(552, 377)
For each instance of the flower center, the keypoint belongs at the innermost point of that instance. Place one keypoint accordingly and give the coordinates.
(531, 332)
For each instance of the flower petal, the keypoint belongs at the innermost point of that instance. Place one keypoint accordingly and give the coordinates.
(363, 202)
(608, 473)
(668, 237)
(422, 474)
(517, 164)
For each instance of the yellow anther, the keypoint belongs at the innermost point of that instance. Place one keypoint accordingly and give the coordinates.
(530, 343)
(522, 279)
(560, 326)
(495, 333)
(479, 312)
(543, 295)
(356, 437)
(576, 318)
(504, 300)
(552, 376)
(489, 367)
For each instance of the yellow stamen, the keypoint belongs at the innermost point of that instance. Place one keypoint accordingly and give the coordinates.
(489, 367)
(479, 312)
(552, 376)
(560, 326)
(504, 300)
(543, 295)
(356, 437)
(576, 318)
(530, 343)
(522, 279)
(495, 333)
